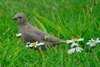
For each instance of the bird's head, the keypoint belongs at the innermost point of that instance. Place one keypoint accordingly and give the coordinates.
(20, 18)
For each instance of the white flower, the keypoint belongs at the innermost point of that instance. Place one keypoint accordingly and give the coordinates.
(74, 44)
(92, 42)
(18, 35)
(74, 40)
(46, 37)
(77, 49)
(26, 45)
(35, 44)
(70, 51)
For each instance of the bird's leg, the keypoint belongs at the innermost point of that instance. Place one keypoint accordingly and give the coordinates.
(54, 49)
(22, 38)
(48, 44)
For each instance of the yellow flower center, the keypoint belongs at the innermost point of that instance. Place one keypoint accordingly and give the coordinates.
(75, 39)
(95, 40)
(34, 43)
(46, 37)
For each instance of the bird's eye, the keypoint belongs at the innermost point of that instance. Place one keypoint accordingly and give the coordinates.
(19, 17)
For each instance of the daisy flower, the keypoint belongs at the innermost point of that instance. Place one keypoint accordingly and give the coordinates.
(77, 49)
(70, 51)
(35, 44)
(46, 37)
(75, 40)
(92, 42)
(74, 44)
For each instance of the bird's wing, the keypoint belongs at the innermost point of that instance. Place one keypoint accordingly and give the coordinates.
(40, 35)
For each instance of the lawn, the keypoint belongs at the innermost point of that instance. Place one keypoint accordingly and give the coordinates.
(64, 19)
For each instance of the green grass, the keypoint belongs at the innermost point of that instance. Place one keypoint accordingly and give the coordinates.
(67, 17)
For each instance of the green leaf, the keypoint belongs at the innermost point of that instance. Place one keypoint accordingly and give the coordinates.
(41, 25)
(62, 26)
(51, 24)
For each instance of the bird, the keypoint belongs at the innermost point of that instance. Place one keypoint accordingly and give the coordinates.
(33, 34)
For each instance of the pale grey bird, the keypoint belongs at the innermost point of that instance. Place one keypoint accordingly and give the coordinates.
(32, 34)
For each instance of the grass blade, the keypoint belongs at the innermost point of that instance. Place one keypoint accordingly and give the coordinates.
(51, 24)
(43, 28)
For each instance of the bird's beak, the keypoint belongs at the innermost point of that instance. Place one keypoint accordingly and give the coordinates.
(14, 18)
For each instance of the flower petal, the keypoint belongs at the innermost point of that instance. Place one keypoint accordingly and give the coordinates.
(18, 35)
(30, 45)
(92, 44)
(27, 46)
(78, 49)
(27, 43)
(81, 39)
(92, 39)
(39, 44)
(88, 43)
(70, 51)
(97, 39)
(74, 44)
(69, 41)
